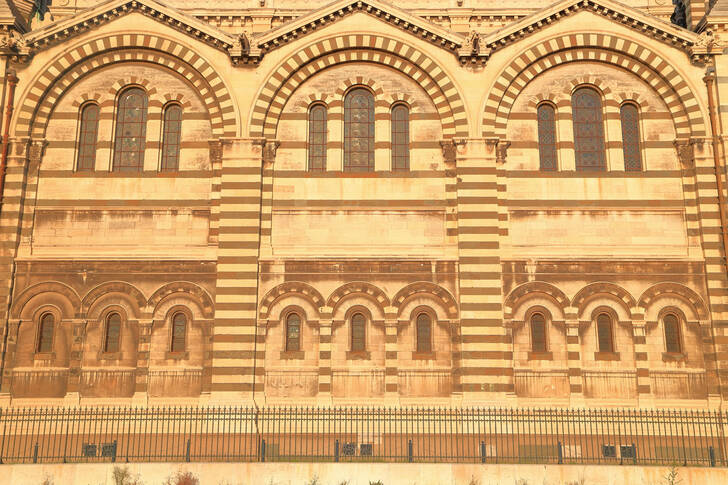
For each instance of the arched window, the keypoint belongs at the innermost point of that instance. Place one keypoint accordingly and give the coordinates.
(131, 131)
(630, 117)
(317, 138)
(586, 105)
(400, 138)
(424, 333)
(547, 137)
(113, 333)
(672, 333)
(171, 138)
(293, 332)
(179, 332)
(358, 332)
(538, 333)
(605, 339)
(359, 131)
(45, 333)
(87, 137)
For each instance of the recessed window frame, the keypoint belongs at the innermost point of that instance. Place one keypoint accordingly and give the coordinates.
(357, 344)
(288, 341)
(419, 341)
(83, 132)
(404, 130)
(678, 333)
(107, 326)
(314, 127)
(600, 323)
(40, 342)
(116, 154)
(638, 127)
(173, 327)
(547, 149)
(532, 325)
(599, 138)
(349, 138)
(167, 124)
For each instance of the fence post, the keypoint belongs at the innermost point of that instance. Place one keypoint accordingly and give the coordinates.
(409, 451)
(113, 455)
(187, 453)
(482, 452)
(262, 450)
(560, 452)
(711, 455)
(336, 451)
(35, 453)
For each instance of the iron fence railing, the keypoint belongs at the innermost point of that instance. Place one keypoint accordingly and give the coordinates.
(449, 435)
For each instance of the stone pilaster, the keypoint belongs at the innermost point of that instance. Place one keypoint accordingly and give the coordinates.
(573, 354)
(325, 375)
(644, 383)
(141, 387)
(391, 353)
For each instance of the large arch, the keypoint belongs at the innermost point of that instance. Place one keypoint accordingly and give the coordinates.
(133, 294)
(426, 288)
(42, 94)
(605, 48)
(299, 288)
(655, 291)
(198, 294)
(603, 288)
(517, 295)
(298, 67)
(370, 291)
(72, 300)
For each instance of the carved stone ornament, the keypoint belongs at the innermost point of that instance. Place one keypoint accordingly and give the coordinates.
(685, 152)
(269, 150)
(450, 149)
(12, 41)
(473, 49)
(500, 147)
(706, 44)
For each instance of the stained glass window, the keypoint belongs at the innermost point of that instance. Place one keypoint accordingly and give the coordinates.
(293, 332)
(317, 138)
(45, 333)
(672, 333)
(359, 131)
(424, 333)
(538, 333)
(131, 131)
(588, 121)
(547, 137)
(400, 137)
(358, 332)
(179, 332)
(113, 333)
(630, 117)
(87, 137)
(171, 138)
(604, 333)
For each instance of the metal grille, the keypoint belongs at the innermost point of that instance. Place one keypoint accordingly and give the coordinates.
(317, 138)
(588, 123)
(424, 337)
(538, 333)
(631, 137)
(113, 332)
(171, 138)
(444, 435)
(400, 138)
(45, 335)
(87, 137)
(604, 333)
(358, 332)
(293, 332)
(547, 137)
(359, 131)
(179, 331)
(131, 131)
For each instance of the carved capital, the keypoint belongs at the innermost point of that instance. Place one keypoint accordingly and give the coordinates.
(685, 152)
(270, 147)
(13, 42)
(500, 147)
(451, 148)
(36, 150)
(215, 152)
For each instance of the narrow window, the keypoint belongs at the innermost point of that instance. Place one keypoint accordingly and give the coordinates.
(45, 333)
(672, 333)
(400, 138)
(586, 106)
(131, 131)
(538, 333)
(317, 138)
(358, 332)
(359, 131)
(113, 332)
(179, 332)
(293, 333)
(604, 333)
(171, 138)
(424, 333)
(630, 117)
(547, 137)
(87, 137)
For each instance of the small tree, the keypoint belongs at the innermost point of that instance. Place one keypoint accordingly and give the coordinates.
(182, 478)
(122, 476)
(672, 477)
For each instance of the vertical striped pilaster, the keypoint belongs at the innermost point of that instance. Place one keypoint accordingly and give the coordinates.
(324, 378)
(216, 165)
(74, 364)
(573, 357)
(485, 346)
(142, 365)
(235, 327)
(391, 377)
(644, 384)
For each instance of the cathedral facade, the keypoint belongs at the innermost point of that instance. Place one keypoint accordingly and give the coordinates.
(466, 202)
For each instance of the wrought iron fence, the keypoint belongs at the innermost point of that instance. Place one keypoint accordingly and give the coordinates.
(450, 435)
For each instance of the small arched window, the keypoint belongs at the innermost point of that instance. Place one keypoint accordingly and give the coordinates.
(358, 332)
(672, 333)
(131, 131)
(113, 333)
(400, 138)
(293, 333)
(87, 137)
(179, 332)
(171, 138)
(538, 333)
(424, 333)
(586, 105)
(605, 339)
(45, 333)
(317, 119)
(630, 117)
(359, 131)
(547, 137)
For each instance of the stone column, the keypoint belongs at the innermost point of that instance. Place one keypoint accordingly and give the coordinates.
(391, 354)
